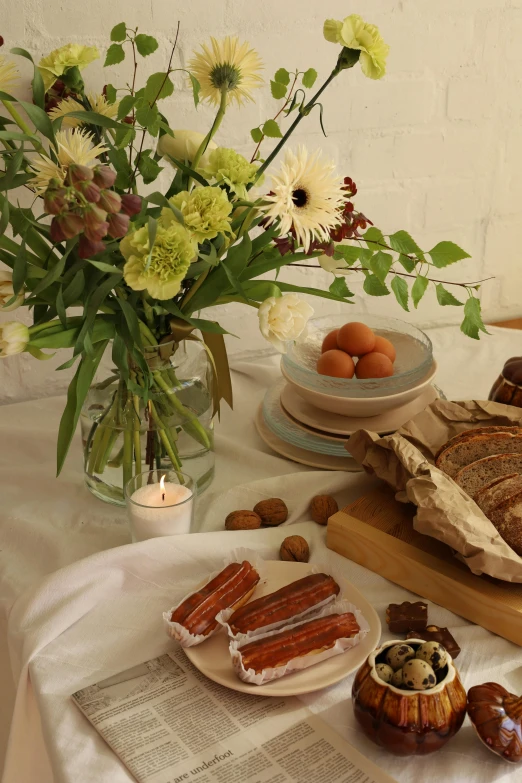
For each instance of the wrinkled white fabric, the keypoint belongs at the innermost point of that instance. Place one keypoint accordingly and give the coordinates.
(102, 614)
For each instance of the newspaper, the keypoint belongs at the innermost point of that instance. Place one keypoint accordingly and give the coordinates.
(168, 723)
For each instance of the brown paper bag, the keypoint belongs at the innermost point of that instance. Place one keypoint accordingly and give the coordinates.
(405, 460)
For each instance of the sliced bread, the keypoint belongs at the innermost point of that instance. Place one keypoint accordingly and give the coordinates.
(464, 452)
(476, 475)
(498, 491)
(507, 518)
(478, 431)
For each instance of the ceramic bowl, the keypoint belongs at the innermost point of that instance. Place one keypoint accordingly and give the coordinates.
(361, 406)
(407, 723)
(412, 364)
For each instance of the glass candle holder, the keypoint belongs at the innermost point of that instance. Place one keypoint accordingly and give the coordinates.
(160, 503)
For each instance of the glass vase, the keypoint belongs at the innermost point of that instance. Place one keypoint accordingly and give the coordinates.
(170, 427)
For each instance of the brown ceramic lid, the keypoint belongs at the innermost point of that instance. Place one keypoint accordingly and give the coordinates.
(496, 716)
(512, 371)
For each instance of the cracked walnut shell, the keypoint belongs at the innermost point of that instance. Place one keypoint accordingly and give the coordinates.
(273, 511)
(295, 548)
(242, 520)
(322, 507)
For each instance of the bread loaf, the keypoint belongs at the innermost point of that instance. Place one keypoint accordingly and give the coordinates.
(507, 518)
(497, 491)
(474, 447)
(477, 431)
(475, 476)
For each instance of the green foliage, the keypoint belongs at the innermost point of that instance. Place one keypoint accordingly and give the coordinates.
(309, 78)
(257, 135)
(148, 167)
(339, 288)
(119, 32)
(446, 253)
(374, 287)
(111, 93)
(158, 86)
(418, 289)
(400, 289)
(278, 90)
(349, 253)
(115, 54)
(127, 104)
(272, 129)
(473, 324)
(282, 76)
(374, 238)
(145, 44)
(380, 264)
(445, 297)
(196, 86)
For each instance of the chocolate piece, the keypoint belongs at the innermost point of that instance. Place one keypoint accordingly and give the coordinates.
(407, 616)
(435, 634)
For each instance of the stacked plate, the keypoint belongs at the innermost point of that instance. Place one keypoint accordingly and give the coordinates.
(308, 417)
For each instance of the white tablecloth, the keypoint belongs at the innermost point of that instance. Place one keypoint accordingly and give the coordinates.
(101, 615)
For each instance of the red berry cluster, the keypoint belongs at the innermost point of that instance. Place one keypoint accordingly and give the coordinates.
(84, 205)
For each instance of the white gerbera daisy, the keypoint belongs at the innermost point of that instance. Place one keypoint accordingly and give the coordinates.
(228, 65)
(74, 146)
(8, 74)
(306, 196)
(98, 104)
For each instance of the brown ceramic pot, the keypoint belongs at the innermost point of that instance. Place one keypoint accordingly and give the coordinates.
(496, 715)
(508, 386)
(405, 722)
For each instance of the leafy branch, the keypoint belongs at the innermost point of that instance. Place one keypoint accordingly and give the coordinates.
(279, 88)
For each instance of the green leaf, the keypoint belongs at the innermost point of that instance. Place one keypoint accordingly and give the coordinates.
(93, 118)
(380, 264)
(68, 363)
(74, 290)
(400, 289)
(158, 86)
(20, 269)
(148, 167)
(119, 32)
(119, 356)
(146, 115)
(259, 290)
(145, 44)
(107, 268)
(4, 214)
(374, 238)
(124, 136)
(446, 253)
(472, 324)
(127, 104)
(56, 271)
(282, 76)
(111, 93)
(38, 116)
(76, 395)
(115, 55)
(309, 78)
(405, 245)
(271, 129)
(132, 321)
(37, 83)
(278, 90)
(287, 288)
(373, 286)
(445, 297)
(187, 170)
(12, 169)
(257, 135)
(196, 86)
(350, 253)
(339, 287)
(60, 308)
(418, 289)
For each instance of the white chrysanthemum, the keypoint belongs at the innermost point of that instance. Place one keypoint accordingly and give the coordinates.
(227, 64)
(306, 196)
(98, 104)
(74, 146)
(8, 74)
(283, 318)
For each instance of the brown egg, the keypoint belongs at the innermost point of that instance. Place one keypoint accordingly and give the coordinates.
(336, 363)
(374, 365)
(382, 345)
(356, 339)
(330, 341)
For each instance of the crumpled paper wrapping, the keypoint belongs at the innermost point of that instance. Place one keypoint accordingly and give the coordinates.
(405, 460)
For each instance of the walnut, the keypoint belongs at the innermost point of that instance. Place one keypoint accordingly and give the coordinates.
(295, 548)
(322, 507)
(272, 511)
(242, 520)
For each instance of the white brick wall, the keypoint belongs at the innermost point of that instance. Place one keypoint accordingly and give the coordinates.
(435, 148)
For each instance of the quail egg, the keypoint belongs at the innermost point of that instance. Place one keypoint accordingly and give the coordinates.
(418, 675)
(434, 654)
(397, 678)
(398, 655)
(384, 672)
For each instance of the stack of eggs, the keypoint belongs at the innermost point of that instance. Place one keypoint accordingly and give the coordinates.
(375, 355)
(413, 668)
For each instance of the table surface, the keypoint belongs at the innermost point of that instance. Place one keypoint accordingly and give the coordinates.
(48, 524)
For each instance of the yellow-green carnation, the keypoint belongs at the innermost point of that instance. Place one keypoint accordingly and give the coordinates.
(354, 33)
(61, 60)
(206, 212)
(228, 167)
(170, 259)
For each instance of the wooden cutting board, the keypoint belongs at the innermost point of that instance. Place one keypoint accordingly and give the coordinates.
(377, 532)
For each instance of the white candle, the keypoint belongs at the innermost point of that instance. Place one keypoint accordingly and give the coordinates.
(162, 509)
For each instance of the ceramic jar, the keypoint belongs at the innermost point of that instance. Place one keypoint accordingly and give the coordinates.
(508, 386)
(405, 722)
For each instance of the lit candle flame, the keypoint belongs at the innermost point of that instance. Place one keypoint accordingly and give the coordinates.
(162, 487)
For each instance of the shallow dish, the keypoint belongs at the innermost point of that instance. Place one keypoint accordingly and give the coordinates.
(324, 421)
(212, 658)
(361, 406)
(414, 358)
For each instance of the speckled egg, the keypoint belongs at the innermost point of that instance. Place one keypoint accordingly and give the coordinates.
(418, 675)
(384, 671)
(434, 654)
(397, 678)
(398, 655)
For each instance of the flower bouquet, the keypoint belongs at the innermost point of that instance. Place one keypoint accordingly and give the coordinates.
(103, 260)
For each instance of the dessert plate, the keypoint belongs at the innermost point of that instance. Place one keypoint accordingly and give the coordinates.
(296, 454)
(319, 419)
(212, 658)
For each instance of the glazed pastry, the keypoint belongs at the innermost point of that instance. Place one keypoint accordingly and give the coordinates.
(231, 588)
(285, 605)
(309, 638)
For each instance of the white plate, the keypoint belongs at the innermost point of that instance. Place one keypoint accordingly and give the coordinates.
(212, 658)
(390, 421)
(297, 454)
